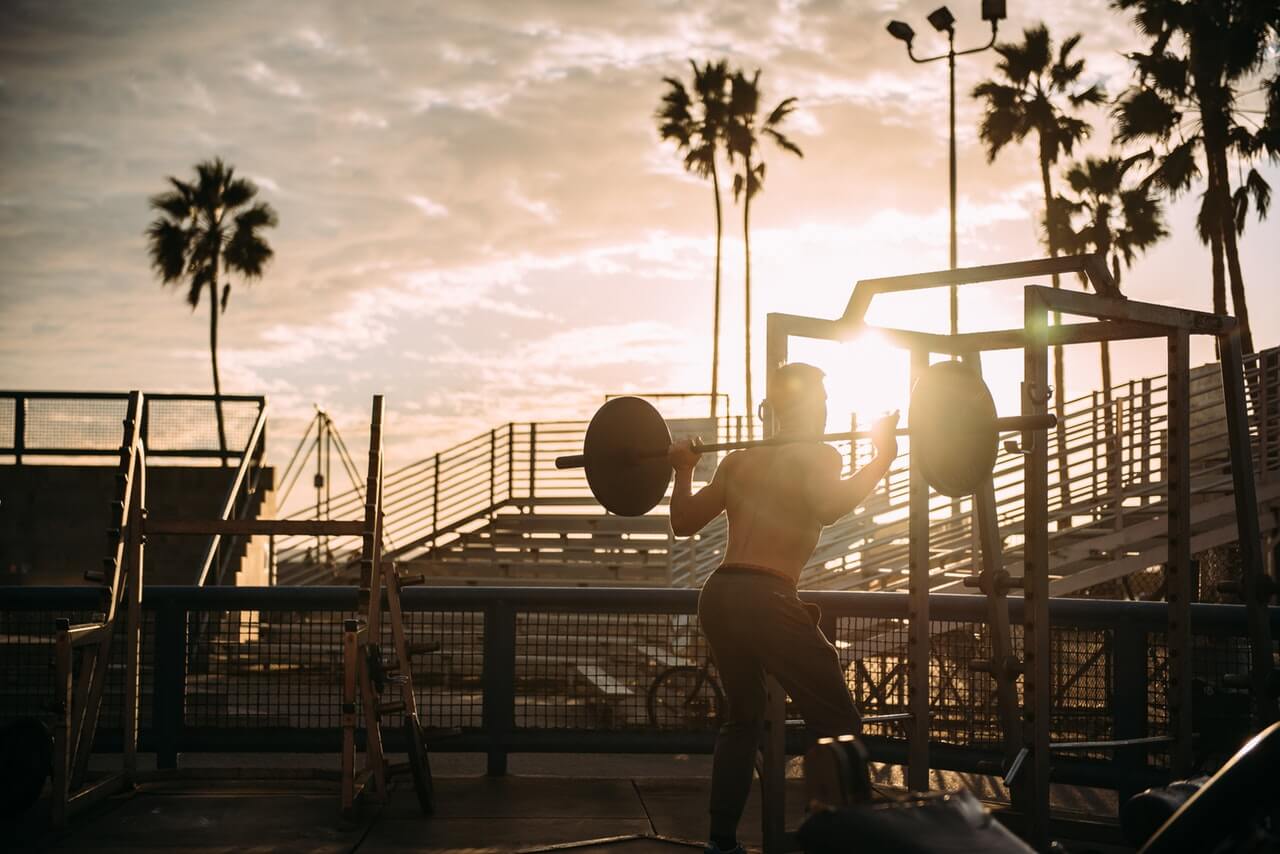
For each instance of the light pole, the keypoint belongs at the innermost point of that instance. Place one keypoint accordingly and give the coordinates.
(944, 22)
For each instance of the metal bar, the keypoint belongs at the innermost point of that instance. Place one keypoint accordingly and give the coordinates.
(1129, 691)
(866, 289)
(1179, 567)
(1066, 334)
(19, 427)
(1254, 595)
(168, 697)
(533, 458)
(133, 622)
(249, 527)
(499, 676)
(784, 325)
(229, 500)
(773, 792)
(918, 612)
(1007, 424)
(1037, 685)
(1093, 305)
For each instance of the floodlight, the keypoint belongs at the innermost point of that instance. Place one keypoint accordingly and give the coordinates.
(901, 30)
(942, 19)
(993, 10)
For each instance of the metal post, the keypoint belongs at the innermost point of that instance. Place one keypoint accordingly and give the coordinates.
(493, 470)
(511, 460)
(1178, 568)
(435, 499)
(533, 458)
(499, 682)
(1252, 590)
(1129, 697)
(918, 611)
(168, 698)
(955, 291)
(1037, 687)
(773, 793)
(19, 427)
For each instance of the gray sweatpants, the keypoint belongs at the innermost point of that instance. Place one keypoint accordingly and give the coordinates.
(754, 623)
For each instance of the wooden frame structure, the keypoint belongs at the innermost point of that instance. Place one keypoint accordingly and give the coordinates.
(1026, 725)
(78, 697)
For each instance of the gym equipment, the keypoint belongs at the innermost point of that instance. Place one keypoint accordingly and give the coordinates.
(955, 431)
(363, 668)
(26, 755)
(1235, 802)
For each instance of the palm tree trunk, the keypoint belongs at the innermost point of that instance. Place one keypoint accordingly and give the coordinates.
(1059, 371)
(213, 350)
(1231, 251)
(715, 327)
(746, 310)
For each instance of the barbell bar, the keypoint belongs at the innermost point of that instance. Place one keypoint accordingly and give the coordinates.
(952, 423)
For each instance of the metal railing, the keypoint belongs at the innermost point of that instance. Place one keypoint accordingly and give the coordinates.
(1114, 449)
(432, 502)
(87, 424)
(522, 669)
(1115, 456)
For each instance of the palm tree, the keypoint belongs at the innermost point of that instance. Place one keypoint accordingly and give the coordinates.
(206, 227)
(745, 130)
(1033, 95)
(1185, 100)
(1114, 221)
(698, 139)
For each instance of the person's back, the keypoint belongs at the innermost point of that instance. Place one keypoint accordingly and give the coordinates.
(777, 498)
(772, 522)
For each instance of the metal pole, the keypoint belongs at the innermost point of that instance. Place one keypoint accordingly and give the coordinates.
(1037, 687)
(918, 610)
(955, 290)
(1179, 567)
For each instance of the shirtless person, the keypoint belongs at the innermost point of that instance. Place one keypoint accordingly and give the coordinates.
(778, 498)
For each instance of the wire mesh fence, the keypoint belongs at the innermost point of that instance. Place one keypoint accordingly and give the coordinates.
(88, 423)
(617, 668)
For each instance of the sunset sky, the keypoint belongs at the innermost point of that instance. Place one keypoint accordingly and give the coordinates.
(477, 216)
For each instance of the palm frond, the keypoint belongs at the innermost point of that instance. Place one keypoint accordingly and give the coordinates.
(1177, 169)
(237, 192)
(167, 245)
(783, 142)
(1240, 207)
(1261, 191)
(1145, 113)
(246, 252)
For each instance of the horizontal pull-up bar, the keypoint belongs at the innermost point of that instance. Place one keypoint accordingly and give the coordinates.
(249, 527)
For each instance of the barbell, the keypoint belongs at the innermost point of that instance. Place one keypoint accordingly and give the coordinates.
(952, 424)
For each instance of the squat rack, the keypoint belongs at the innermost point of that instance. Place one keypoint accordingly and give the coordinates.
(1026, 724)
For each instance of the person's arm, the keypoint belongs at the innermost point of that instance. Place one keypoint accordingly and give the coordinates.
(834, 497)
(691, 511)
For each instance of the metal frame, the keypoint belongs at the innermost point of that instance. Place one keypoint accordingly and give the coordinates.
(1112, 317)
(76, 709)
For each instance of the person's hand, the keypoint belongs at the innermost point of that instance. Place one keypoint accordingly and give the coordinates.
(683, 455)
(884, 434)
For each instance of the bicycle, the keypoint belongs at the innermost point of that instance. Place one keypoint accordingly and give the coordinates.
(685, 697)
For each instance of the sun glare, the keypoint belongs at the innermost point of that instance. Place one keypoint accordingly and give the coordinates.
(866, 377)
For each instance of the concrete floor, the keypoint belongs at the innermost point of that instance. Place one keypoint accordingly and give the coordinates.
(546, 800)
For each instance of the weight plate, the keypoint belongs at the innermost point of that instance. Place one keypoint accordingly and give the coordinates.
(419, 764)
(625, 450)
(953, 428)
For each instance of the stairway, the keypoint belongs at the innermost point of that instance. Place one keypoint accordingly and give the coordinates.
(495, 510)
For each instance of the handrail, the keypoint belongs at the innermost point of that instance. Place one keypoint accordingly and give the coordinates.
(254, 449)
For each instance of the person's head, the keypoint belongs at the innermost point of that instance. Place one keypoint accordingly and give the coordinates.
(798, 398)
